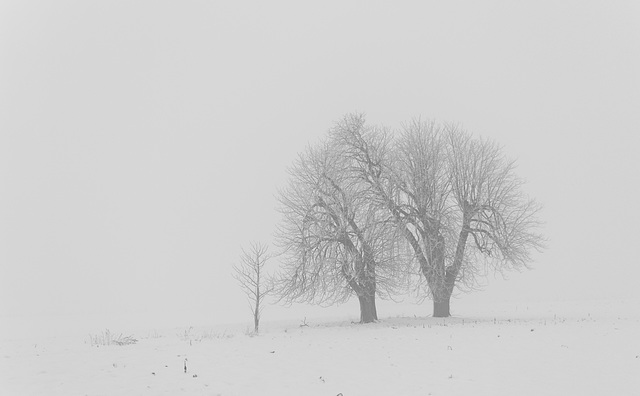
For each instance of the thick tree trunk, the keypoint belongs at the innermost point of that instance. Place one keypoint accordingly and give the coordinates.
(442, 302)
(441, 307)
(434, 274)
(368, 312)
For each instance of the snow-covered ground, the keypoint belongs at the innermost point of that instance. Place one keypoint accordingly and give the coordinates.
(570, 348)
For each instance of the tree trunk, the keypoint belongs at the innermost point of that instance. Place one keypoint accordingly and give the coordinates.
(441, 303)
(437, 282)
(256, 313)
(441, 307)
(256, 323)
(368, 311)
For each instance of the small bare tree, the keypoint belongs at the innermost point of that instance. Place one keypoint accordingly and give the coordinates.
(251, 276)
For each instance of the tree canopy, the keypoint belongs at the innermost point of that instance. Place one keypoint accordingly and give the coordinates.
(368, 205)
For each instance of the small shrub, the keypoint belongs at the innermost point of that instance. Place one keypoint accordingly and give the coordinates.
(109, 338)
(191, 335)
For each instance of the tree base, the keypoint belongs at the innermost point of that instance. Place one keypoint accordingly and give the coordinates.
(368, 311)
(441, 309)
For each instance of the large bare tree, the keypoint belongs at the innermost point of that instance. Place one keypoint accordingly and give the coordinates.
(251, 276)
(443, 187)
(497, 223)
(335, 242)
(421, 183)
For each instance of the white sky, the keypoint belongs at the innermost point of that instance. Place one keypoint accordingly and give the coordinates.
(141, 143)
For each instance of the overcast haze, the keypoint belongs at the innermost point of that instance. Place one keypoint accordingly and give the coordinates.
(142, 143)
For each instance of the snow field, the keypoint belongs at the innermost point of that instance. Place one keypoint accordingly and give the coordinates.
(537, 352)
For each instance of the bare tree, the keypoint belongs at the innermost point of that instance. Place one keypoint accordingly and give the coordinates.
(251, 276)
(408, 179)
(493, 213)
(422, 192)
(335, 242)
(442, 186)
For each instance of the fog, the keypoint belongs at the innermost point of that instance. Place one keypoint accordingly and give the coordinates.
(142, 143)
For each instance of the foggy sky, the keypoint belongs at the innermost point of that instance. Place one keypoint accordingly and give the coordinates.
(142, 143)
